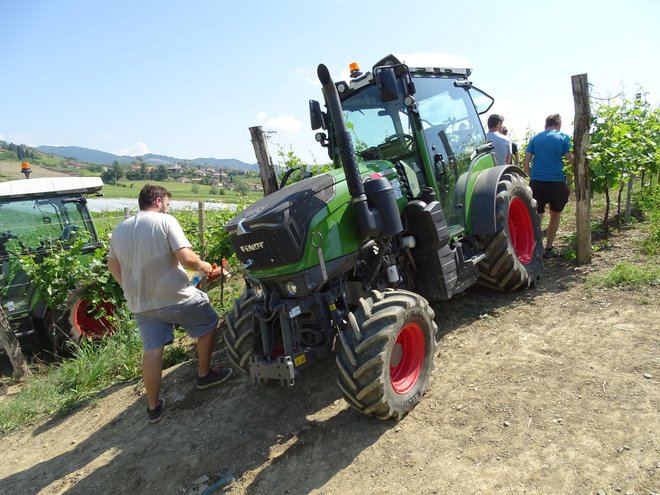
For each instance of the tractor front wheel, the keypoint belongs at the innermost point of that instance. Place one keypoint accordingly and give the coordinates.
(240, 334)
(514, 254)
(386, 355)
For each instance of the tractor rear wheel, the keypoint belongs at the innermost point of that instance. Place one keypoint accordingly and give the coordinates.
(514, 254)
(83, 320)
(240, 334)
(386, 354)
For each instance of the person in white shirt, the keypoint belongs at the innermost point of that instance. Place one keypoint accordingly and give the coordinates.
(500, 141)
(147, 256)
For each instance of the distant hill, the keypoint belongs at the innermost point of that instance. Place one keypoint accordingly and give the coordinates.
(102, 158)
(84, 154)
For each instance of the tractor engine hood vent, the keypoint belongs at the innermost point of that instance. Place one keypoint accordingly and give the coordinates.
(272, 231)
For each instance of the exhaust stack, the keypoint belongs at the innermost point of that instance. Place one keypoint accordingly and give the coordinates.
(366, 218)
(374, 201)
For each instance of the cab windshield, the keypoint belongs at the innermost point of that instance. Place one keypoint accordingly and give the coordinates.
(451, 129)
(375, 124)
(34, 224)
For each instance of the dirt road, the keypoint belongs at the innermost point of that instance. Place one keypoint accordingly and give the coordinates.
(549, 391)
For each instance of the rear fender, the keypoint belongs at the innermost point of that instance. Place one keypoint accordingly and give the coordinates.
(482, 213)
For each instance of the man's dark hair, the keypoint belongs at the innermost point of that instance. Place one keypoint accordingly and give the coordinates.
(553, 120)
(494, 119)
(149, 194)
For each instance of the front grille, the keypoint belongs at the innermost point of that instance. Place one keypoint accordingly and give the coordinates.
(272, 232)
(267, 247)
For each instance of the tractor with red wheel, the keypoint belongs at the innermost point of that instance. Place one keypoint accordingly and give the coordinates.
(37, 216)
(348, 262)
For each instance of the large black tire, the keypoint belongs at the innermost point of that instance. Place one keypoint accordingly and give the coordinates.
(82, 320)
(240, 334)
(514, 254)
(386, 355)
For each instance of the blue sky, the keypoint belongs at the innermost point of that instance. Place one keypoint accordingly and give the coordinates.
(187, 79)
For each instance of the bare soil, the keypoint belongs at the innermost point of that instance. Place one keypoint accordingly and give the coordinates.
(554, 390)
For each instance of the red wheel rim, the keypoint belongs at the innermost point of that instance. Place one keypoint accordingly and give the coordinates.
(407, 358)
(521, 230)
(86, 323)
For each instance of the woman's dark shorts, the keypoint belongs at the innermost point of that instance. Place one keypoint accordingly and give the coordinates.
(553, 193)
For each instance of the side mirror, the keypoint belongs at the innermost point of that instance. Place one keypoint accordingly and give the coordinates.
(386, 82)
(482, 101)
(316, 116)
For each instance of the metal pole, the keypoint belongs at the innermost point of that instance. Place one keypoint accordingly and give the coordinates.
(626, 215)
(200, 230)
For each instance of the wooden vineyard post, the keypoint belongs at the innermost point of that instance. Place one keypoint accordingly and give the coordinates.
(581, 168)
(268, 178)
(200, 232)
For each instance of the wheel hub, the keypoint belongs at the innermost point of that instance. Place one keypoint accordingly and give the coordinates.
(85, 319)
(521, 230)
(407, 358)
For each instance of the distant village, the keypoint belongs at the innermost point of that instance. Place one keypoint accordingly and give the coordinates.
(195, 174)
(139, 169)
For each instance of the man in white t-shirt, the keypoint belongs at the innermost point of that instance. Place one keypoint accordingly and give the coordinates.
(148, 253)
(500, 141)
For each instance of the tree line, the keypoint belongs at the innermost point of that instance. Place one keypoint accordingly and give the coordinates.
(22, 152)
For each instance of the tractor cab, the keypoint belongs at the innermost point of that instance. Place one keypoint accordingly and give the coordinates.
(422, 114)
(37, 215)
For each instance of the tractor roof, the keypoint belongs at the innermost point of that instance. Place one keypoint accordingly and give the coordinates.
(50, 186)
(442, 64)
(434, 62)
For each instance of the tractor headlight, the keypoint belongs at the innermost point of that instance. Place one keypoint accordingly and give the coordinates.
(291, 287)
(258, 290)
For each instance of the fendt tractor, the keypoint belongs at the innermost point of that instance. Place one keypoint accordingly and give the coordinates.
(37, 215)
(348, 261)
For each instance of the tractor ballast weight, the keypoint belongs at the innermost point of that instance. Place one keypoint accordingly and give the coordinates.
(348, 261)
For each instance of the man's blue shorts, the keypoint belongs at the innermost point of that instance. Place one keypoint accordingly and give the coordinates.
(196, 316)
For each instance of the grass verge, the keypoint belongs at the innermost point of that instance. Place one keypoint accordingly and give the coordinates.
(59, 388)
(627, 275)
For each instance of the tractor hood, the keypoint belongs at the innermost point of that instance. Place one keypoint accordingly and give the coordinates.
(272, 231)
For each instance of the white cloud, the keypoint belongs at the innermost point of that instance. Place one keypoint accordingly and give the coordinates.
(309, 77)
(138, 149)
(281, 123)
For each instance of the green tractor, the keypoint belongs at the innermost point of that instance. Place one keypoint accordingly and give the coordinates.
(349, 261)
(37, 215)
